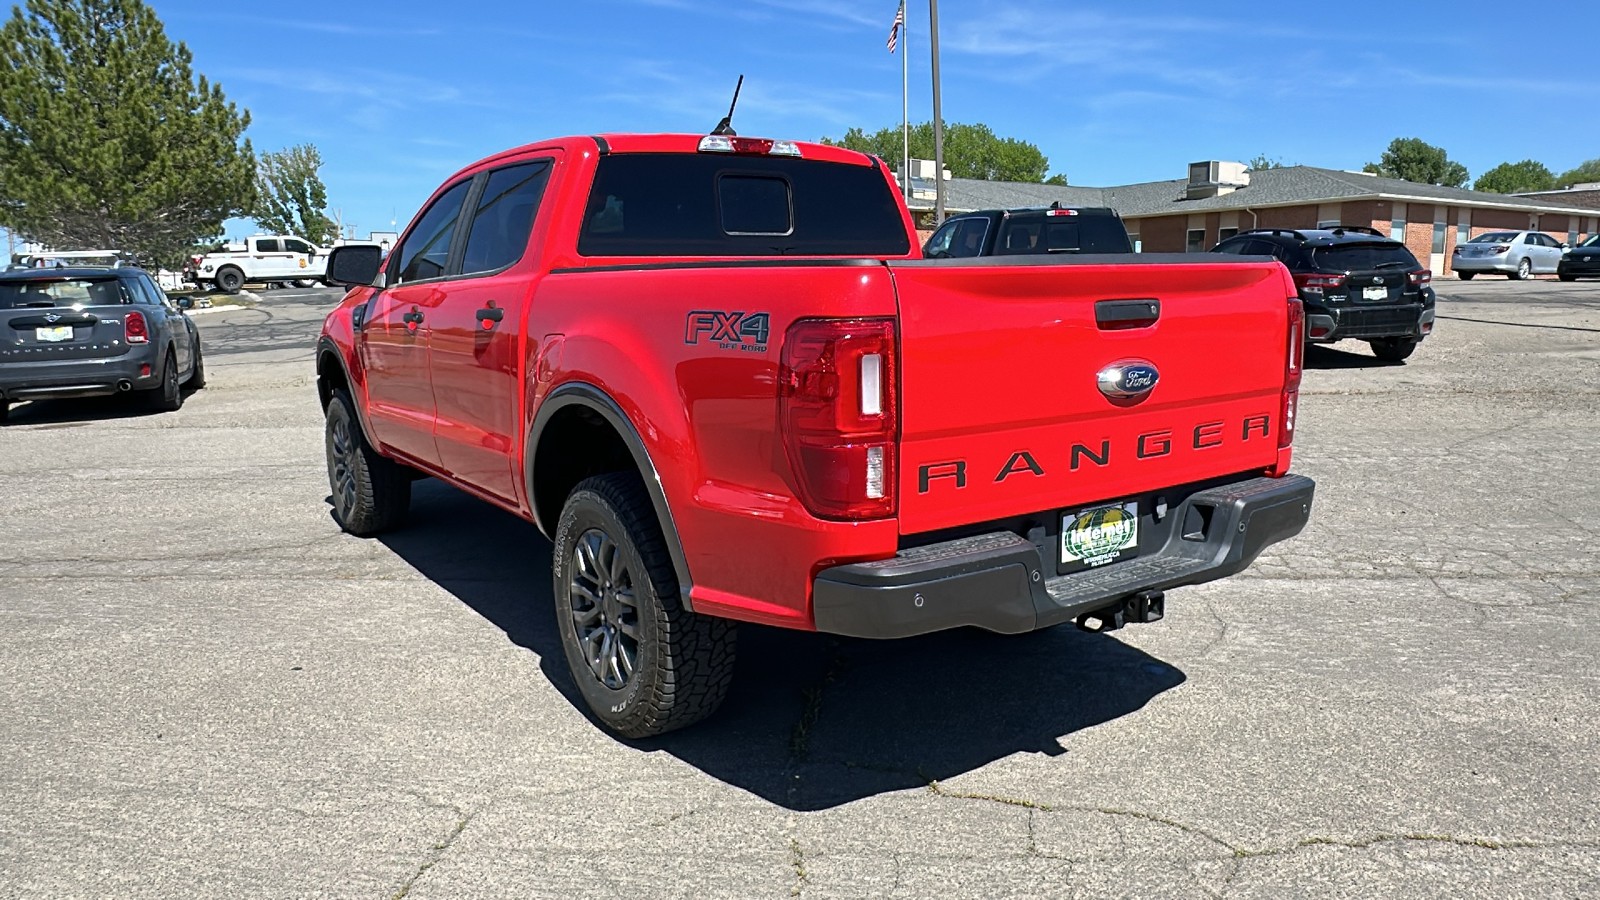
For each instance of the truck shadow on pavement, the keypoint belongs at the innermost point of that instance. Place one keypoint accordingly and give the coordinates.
(813, 721)
(1325, 356)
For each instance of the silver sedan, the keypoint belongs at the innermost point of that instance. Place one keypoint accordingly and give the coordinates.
(1514, 254)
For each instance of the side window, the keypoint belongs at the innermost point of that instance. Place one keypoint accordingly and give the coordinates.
(504, 217)
(293, 246)
(268, 245)
(143, 291)
(939, 245)
(426, 249)
(969, 237)
(1233, 247)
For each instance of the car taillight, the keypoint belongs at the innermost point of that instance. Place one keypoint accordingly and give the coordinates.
(1316, 284)
(725, 143)
(837, 410)
(1500, 248)
(1421, 276)
(135, 328)
(1294, 364)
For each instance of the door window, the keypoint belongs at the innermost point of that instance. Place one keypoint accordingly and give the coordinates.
(294, 246)
(498, 235)
(268, 245)
(426, 250)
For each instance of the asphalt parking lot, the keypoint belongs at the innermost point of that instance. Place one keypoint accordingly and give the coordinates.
(213, 692)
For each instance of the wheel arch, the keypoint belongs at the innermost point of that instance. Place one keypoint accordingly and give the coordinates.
(582, 409)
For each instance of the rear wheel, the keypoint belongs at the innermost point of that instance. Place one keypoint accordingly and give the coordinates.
(643, 663)
(304, 283)
(1465, 276)
(1393, 349)
(1524, 268)
(370, 493)
(197, 374)
(168, 397)
(230, 280)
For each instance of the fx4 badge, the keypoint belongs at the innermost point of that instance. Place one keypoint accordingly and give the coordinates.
(729, 330)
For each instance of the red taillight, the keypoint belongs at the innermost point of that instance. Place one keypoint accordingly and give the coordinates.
(1316, 284)
(1421, 276)
(136, 329)
(1061, 212)
(1293, 365)
(837, 408)
(1500, 248)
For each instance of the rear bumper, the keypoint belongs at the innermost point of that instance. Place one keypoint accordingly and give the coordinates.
(1000, 581)
(59, 379)
(1326, 324)
(1501, 263)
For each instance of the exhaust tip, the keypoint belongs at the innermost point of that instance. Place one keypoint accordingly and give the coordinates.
(124, 385)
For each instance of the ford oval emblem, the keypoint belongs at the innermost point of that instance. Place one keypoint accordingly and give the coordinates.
(1128, 379)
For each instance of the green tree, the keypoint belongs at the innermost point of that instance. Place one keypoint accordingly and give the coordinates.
(1515, 178)
(107, 139)
(970, 151)
(1413, 159)
(1585, 173)
(1262, 161)
(290, 195)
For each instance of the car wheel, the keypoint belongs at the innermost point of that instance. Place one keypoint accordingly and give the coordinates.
(1393, 349)
(643, 663)
(1564, 276)
(168, 397)
(197, 372)
(370, 492)
(1465, 276)
(230, 280)
(5, 410)
(1524, 267)
(303, 283)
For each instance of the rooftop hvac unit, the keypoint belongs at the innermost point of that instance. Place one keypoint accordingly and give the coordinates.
(1213, 177)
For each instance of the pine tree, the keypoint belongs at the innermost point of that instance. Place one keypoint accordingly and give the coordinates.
(107, 138)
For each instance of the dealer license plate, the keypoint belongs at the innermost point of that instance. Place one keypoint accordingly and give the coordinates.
(1100, 535)
(54, 334)
(1375, 293)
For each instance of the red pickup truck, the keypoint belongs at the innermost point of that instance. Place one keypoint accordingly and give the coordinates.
(715, 371)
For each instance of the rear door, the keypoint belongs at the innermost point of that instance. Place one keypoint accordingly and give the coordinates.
(1002, 412)
(1377, 272)
(165, 319)
(474, 333)
(394, 337)
(63, 319)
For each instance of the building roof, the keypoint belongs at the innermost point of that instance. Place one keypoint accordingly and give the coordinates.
(1287, 186)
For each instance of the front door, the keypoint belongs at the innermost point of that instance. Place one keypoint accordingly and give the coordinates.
(474, 345)
(395, 334)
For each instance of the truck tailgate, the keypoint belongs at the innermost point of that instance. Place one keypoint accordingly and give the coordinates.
(1001, 408)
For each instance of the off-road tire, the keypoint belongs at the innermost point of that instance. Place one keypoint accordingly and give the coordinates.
(1524, 269)
(230, 280)
(1393, 349)
(682, 662)
(370, 492)
(1465, 276)
(197, 374)
(168, 397)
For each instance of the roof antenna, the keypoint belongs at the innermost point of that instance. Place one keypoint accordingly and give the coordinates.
(726, 125)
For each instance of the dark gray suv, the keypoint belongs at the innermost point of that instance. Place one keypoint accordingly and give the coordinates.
(86, 331)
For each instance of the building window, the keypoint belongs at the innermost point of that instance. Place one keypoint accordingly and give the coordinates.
(1572, 237)
(1397, 228)
(1328, 223)
(1461, 232)
(1225, 233)
(1197, 240)
(1138, 245)
(1438, 237)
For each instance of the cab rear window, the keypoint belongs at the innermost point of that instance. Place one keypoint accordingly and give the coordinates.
(43, 293)
(1079, 234)
(675, 204)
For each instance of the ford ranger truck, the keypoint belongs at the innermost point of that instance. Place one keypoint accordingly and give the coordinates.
(715, 372)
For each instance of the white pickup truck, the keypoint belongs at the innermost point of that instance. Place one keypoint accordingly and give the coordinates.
(265, 258)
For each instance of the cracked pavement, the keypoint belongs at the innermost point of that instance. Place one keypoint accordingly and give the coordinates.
(212, 692)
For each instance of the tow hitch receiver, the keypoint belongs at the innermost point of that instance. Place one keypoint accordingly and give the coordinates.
(1145, 606)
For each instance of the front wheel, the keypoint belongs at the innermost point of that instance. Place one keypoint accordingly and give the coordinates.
(5, 410)
(1564, 276)
(197, 372)
(1465, 276)
(303, 283)
(370, 492)
(1524, 268)
(1393, 349)
(643, 663)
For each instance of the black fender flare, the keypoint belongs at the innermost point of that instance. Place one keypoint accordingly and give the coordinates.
(578, 393)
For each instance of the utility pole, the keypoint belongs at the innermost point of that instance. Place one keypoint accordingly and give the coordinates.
(938, 117)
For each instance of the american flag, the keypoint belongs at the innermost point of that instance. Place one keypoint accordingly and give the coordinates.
(894, 30)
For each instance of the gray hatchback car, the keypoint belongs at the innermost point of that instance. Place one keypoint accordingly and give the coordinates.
(87, 331)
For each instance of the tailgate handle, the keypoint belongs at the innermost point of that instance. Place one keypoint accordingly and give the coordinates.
(1115, 314)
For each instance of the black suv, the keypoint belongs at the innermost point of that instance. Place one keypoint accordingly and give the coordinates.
(1053, 229)
(1354, 281)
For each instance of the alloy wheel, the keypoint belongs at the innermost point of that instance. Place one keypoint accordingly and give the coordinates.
(344, 465)
(605, 612)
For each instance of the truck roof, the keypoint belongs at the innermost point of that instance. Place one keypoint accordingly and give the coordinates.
(665, 143)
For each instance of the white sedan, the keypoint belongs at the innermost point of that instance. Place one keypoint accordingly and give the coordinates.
(1514, 254)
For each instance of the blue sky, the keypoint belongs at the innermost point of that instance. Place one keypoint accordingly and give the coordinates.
(398, 95)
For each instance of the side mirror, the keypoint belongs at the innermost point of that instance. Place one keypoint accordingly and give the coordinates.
(186, 303)
(354, 265)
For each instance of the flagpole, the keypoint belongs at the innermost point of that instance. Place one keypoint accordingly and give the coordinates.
(938, 116)
(905, 110)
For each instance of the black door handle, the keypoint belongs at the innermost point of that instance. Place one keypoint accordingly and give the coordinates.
(1112, 315)
(413, 318)
(490, 315)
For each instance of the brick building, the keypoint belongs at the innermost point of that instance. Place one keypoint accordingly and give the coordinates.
(1219, 199)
